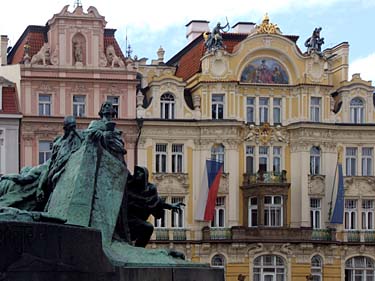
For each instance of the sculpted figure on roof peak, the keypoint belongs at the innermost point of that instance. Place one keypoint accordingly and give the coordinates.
(214, 40)
(314, 42)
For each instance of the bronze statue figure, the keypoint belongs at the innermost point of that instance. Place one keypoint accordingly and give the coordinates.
(143, 201)
(314, 43)
(214, 40)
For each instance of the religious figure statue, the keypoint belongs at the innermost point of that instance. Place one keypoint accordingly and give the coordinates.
(63, 147)
(143, 201)
(20, 190)
(104, 132)
(214, 40)
(314, 42)
(77, 52)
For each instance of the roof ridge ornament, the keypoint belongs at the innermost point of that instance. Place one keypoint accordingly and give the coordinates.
(266, 27)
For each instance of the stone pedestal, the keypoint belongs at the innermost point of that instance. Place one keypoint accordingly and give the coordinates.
(46, 251)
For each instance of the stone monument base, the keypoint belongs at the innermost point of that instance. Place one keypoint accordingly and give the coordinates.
(38, 251)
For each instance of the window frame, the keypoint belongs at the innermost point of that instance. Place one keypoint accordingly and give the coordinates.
(217, 106)
(250, 109)
(273, 212)
(351, 163)
(220, 213)
(315, 160)
(42, 105)
(264, 110)
(277, 107)
(161, 158)
(79, 106)
(357, 111)
(316, 213)
(315, 109)
(350, 214)
(47, 153)
(167, 106)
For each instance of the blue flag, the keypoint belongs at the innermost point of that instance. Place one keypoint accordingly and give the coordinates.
(338, 212)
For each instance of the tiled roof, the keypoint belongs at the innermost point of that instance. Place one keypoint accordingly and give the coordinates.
(109, 39)
(36, 36)
(9, 101)
(188, 60)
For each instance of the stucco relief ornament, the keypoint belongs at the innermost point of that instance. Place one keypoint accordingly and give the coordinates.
(266, 27)
(265, 134)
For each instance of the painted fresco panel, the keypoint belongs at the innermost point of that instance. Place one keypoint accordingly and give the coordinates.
(265, 71)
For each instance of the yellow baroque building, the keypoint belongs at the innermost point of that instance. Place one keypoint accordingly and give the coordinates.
(278, 118)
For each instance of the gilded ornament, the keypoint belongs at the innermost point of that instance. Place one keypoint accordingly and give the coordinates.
(267, 27)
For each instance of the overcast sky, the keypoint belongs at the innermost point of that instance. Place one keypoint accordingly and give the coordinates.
(151, 24)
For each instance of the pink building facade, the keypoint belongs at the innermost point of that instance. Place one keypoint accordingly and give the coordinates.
(69, 67)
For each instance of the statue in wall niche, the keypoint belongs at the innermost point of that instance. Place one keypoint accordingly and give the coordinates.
(112, 58)
(78, 52)
(143, 201)
(43, 56)
(314, 43)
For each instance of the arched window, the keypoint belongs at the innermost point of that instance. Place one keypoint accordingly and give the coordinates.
(167, 103)
(357, 109)
(359, 269)
(315, 160)
(316, 268)
(217, 153)
(269, 267)
(218, 261)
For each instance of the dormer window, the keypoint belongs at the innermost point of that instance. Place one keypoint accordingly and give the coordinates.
(357, 111)
(167, 104)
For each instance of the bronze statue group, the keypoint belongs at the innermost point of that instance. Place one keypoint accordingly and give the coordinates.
(32, 189)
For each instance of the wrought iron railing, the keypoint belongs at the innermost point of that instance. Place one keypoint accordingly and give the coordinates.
(265, 177)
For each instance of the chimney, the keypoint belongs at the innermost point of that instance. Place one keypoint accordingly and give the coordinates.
(196, 28)
(243, 27)
(3, 49)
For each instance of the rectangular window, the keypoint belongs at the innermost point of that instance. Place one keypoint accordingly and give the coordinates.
(162, 222)
(351, 161)
(250, 165)
(367, 214)
(273, 211)
(277, 110)
(367, 153)
(315, 105)
(315, 213)
(350, 214)
(217, 106)
(253, 212)
(79, 104)
(277, 159)
(177, 219)
(219, 216)
(177, 158)
(263, 110)
(45, 151)
(115, 102)
(161, 158)
(250, 110)
(45, 105)
(263, 158)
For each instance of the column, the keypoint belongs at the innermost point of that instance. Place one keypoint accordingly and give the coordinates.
(257, 110)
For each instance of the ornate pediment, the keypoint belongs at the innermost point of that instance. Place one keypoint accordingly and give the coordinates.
(359, 186)
(265, 134)
(171, 183)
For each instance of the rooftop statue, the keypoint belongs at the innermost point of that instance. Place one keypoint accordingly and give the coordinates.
(214, 40)
(314, 43)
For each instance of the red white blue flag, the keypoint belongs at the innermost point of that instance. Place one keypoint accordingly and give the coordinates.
(210, 185)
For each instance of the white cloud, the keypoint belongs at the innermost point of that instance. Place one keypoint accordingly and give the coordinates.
(365, 66)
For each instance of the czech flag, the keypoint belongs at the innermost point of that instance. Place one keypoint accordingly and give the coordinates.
(208, 192)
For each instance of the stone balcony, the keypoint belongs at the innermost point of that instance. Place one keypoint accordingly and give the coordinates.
(264, 234)
(264, 178)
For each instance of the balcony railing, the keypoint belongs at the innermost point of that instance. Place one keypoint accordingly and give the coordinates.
(165, 234)
(265, 177)
(322, 234)
(364, 236)
(268, 234)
